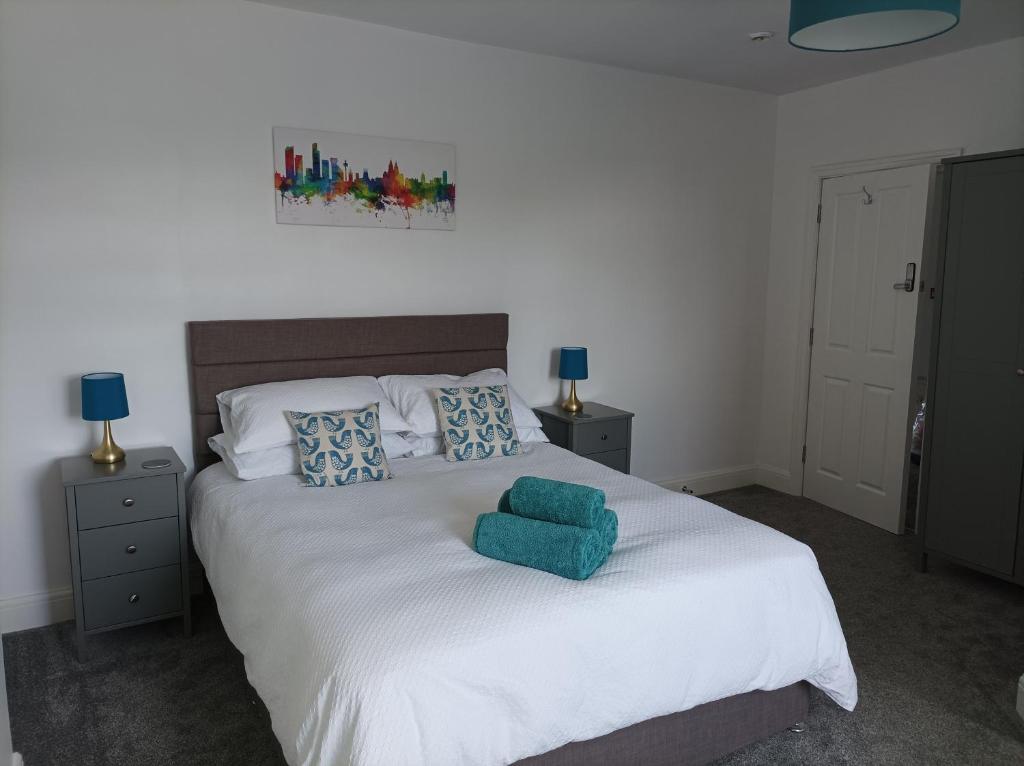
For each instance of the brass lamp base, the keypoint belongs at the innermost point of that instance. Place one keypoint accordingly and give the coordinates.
(108, 451)
(572, 404)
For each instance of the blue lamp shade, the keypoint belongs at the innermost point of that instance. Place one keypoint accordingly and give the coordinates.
(103, 396)
(572, 363)
(860, 25)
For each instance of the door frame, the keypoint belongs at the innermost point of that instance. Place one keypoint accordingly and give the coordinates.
(815, 178)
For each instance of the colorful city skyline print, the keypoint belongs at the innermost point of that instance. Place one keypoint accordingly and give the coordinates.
(342, 179)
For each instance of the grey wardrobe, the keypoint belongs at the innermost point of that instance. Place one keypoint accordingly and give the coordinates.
(973, 460)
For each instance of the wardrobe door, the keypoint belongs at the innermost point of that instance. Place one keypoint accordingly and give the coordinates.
(974, 497)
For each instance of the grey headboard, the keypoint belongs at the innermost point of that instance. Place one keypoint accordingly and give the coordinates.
(228, 354)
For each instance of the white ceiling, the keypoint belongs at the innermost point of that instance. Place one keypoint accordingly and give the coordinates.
(697, 39)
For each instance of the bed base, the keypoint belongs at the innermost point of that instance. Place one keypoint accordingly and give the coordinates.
(695, 736)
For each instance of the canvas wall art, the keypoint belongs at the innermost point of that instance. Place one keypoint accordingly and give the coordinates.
(342, 179)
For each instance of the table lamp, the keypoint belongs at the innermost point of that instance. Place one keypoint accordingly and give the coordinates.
(572, 365)
(104, 398)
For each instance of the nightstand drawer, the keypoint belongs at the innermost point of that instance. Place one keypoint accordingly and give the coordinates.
(129, 597)
(128, 547)
(121, 502)
(616, 459)
(603, 436)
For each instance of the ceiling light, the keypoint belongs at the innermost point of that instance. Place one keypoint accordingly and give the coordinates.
(858, 25)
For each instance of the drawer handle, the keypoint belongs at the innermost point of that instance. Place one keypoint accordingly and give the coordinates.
(130, 549)
(128, 502)
(133, 598)
(604, 437)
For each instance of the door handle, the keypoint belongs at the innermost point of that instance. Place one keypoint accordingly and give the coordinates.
(908, 283)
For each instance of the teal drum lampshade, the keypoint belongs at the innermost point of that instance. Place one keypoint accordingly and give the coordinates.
(859, 25)
(104, 398)
(572, 365)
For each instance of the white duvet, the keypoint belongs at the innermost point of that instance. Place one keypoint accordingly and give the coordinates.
(376, 635)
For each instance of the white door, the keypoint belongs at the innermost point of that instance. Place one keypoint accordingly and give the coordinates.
(872, 227)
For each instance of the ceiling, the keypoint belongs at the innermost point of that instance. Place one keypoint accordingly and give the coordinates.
(697, 39)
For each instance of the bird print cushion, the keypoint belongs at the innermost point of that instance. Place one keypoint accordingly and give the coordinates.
(476, 422)
(340, 447)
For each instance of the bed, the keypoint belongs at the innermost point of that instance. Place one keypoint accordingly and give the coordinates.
(375, 635)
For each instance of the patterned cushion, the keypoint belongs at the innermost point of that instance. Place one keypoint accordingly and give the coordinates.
(476, 422)
(340, 447)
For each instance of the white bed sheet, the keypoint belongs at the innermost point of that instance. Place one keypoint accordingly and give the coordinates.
(376, 636)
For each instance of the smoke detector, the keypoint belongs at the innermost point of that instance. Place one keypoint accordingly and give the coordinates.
(760, 37)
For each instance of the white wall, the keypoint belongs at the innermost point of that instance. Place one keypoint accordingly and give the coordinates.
(601, 207)
(973, 99)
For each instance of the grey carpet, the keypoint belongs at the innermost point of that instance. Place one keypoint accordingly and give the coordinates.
(937, 656)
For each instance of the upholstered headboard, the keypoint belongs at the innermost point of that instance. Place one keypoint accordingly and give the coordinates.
(227, 354)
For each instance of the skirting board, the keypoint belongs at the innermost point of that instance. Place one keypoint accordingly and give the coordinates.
(731, 478)
(778, 479)
(714, 481)
(36, 609)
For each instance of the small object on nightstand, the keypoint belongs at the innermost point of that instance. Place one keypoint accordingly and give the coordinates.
(128, 537)
(572, 365)
(160, 463)
(603, 434)
(104, 398)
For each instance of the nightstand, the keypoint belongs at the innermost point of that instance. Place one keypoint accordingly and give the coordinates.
(129, 541)
(601, 433)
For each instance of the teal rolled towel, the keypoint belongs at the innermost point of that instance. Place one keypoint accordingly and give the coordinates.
(608, 526)
(562, 549)
(557, 501)
(609, 529)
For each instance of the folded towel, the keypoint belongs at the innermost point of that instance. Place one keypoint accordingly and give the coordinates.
(557, 501)
(609, 529)
(608, 526)
(562, 549)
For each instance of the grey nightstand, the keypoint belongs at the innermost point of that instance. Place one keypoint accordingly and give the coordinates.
(129, 541)
(600, 432)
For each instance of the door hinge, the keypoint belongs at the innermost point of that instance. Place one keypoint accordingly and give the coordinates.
(819, 212)
(811, 341)
(803, 455)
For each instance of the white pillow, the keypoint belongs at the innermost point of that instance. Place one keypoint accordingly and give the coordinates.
(414, 398)
(434, 445)
(425, 445)
(254, 415)
(528, 435)
(281, 461)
